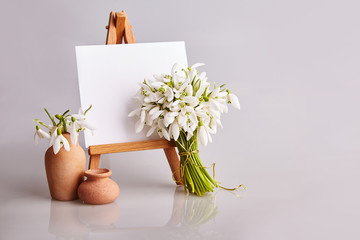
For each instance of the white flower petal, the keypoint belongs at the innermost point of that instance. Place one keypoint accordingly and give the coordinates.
(197, 65)
(189, 90)
(173, 69)
(166, 134)
(169, 118)
(202, 136)
(43, 134)
(155, 109)
(213, 126)
(53, 136)
(151, 131)
(134, 112)
(209, 137)
(202, 76)
(162, 100)
(73, 134)
(156, 115)
(175, 130)
(142, 116)
(85, 124)
(200, 91)
(189, 135)
(233, 101)
(158, 77)
(56, 146)
(139, 126)
(65, 143)
(193, 101)
(215, 105)
(215, 92)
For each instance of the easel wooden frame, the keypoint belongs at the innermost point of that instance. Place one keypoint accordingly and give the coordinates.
(119, 28)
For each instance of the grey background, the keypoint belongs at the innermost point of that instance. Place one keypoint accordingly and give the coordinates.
(293, 65)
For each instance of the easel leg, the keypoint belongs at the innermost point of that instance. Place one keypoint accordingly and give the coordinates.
(94, 161)
(174, 163)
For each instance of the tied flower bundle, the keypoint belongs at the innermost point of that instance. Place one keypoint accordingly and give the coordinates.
(183, 106)
(66, 123)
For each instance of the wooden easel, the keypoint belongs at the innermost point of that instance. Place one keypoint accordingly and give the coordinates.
(119, 28)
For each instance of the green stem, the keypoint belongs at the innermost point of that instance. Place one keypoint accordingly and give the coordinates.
(40, 122)
(195, 178)
(51, 118)
(88, 109)
(66, 112)
(64, 123)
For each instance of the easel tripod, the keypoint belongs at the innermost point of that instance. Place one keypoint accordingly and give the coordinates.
(119, 29)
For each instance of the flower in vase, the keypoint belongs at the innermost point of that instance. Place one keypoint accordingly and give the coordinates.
(80, 121)
(58, 141)
(40, 134)
(67, 123)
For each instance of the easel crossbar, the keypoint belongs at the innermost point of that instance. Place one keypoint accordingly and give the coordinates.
(130, 146)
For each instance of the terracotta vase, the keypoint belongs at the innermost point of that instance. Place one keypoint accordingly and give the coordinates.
(98, 187)
(65, 171)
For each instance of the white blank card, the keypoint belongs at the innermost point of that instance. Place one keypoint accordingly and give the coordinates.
(108, 79)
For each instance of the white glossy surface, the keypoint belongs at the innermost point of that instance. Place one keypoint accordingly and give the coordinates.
(307, 203)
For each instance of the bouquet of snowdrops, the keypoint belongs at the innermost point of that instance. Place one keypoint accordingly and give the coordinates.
(66, 123)
(183, 106)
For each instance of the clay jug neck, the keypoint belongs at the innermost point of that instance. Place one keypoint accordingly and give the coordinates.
(97, 174)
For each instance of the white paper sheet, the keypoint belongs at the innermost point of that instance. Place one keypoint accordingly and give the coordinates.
(108, 79)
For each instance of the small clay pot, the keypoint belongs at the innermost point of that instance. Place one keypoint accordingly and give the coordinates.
(98, 187)
(65, 170)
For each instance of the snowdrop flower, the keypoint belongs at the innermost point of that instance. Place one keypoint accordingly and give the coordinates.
(155, 112)
(179, 87)
(135, 112)
(40, 134)
(169, 118)
(190, 100)
(173, 69)
(182, 103)
(151, 130)
(139, 125)
(80, 120)
(183, 106)
(196, 65)
(53, 134)
(74, 127)
(189, 90)
(169, 94)
(202, 135)
(175, 130)
(58, 141)
(233, 100)
(67, 124)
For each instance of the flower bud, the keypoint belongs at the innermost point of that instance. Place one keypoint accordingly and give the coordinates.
(58, 131)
